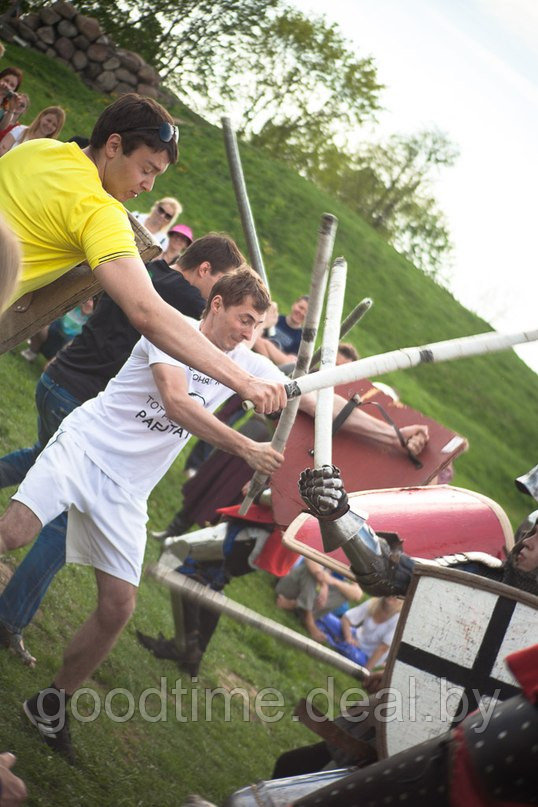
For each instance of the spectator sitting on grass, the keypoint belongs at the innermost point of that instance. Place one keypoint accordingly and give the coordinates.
(160, 218)
(48, 123)
(20, 107)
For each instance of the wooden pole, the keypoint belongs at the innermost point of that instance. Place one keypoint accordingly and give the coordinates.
(246, 616)
(448, 350)
(324, 405)
(326, 236)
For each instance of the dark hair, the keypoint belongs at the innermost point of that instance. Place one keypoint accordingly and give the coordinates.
(236, 286)
(348, 351)
(218, 249)
(129, 116)
(12, 71)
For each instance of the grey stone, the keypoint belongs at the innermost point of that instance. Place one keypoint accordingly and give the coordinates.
(82, 42)
(27, 33)
(64, 47)
(32, 20)
(106, 81)
(66, 28)
(6, 32)
(52, 53)
(148, 75)
(98, 53)
(104, 40)
(88, 26)
(112, 63)
(79, 59)
(46, 34)
(92, 70)
(147, 89)
(126, 76)
(122, 88)
(132, 61)
(41, 46)
(48, 16)
(65, 9)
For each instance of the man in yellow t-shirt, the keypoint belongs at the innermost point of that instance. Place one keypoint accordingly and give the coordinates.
(64, 205)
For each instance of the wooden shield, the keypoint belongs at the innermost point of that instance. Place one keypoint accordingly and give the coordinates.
(365, 464)
(39, 308)
(447, 657)
(430, 522)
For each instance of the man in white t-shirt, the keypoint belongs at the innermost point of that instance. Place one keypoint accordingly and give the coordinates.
(105, 459)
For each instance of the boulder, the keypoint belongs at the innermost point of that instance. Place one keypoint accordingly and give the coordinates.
(126, 77)
(148, 75)
(79, 59)
(64, 47)
(132, 61)
(92, 70)
(106, 81)
(27, 33)
(6, 32)
(112, 63)
(48, 16)
(88, 26)
(122, 88)
(148, 90)
(98, 53)
(82, 42)
(68, 29)
(31, 20)
(65, 9)
(41, 46)
(104, 40)
(46, 34)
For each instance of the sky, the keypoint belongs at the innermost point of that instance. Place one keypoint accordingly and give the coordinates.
(469, 68)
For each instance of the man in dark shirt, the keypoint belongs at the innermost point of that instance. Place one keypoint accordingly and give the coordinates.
(79, 372)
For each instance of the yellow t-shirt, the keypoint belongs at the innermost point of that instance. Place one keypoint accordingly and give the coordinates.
(52, 198)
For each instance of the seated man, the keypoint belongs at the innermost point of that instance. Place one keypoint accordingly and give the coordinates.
(314, 592)
(103, 463)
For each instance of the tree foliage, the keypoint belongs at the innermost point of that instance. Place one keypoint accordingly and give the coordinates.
(391, 185)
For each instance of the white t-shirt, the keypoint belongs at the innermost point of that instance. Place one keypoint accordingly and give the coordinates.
(161, 237)
(125, 430)
(17, 133)
(370, 634)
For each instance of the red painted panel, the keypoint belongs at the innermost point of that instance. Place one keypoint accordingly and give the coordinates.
(365, 463)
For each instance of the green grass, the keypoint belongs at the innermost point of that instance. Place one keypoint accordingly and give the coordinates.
(491, 400)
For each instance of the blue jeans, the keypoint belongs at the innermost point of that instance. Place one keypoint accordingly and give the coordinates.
(53, 403)
(26, 589)
(331, 626)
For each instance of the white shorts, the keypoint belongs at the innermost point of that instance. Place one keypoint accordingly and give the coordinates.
(106, 525)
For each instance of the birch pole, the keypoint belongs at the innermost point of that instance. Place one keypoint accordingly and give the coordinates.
(215, 601)
(326, 236)
(402, 359)
(240, 188)
(350, 321)
(323, 437)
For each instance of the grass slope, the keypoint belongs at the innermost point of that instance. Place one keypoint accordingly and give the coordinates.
(490, 400)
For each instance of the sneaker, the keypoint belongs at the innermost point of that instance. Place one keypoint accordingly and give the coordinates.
(54, 730)
(159, 646)
(14, 642)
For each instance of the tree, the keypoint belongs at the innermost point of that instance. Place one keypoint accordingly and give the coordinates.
(390, 185)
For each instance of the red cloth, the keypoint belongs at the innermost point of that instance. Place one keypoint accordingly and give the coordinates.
(524, 666)
(258, 513)
(465, 785)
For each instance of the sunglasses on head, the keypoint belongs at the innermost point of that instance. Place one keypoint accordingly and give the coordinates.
(163, 212)
(167, 131)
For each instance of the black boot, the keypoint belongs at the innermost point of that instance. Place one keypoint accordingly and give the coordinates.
(179, 525)
(159, 646)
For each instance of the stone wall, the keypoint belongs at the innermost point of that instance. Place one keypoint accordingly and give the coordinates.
(79, 42)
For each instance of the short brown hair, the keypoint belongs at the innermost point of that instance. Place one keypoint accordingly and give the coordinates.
(133, 117)
(348, 351)
(235, 287)
(13, 71)
(218, 249)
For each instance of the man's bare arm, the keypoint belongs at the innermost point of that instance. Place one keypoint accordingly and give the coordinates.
(183, 409)
(361, 423)
(127, 282)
